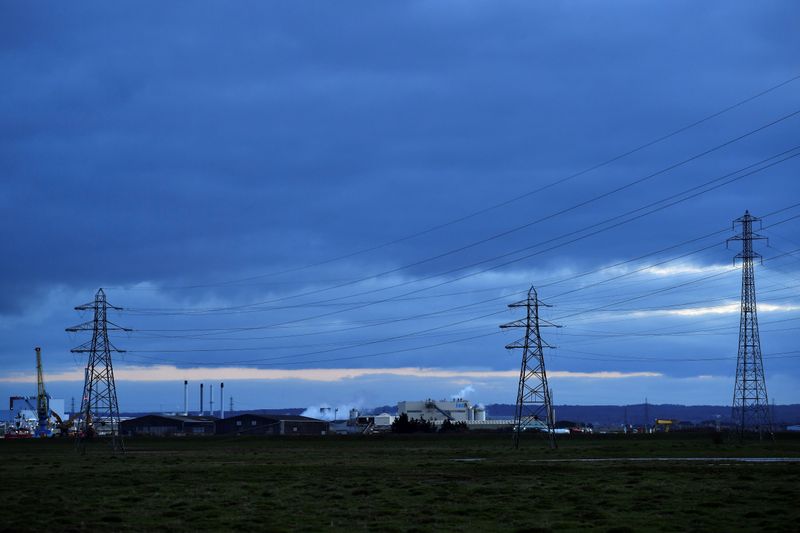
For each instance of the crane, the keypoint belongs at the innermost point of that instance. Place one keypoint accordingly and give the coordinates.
(42, 399)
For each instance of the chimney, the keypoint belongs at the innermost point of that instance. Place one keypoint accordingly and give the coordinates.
(185, 398)
(221, 401)
(211, 399)
(201, 399)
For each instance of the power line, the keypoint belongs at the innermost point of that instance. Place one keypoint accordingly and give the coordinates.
(260, 361)
(324, 351)
(467, 305)
(603, 357)
(202, 312)
(593, 340)
(350, 346)
(600, 230)
(704, 331)
(547, 217)
(691, 282)
(334, 359)
(774, 287)
(505, 203)
(316, 352)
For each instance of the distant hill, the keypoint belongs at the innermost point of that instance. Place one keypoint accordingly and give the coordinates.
(598, 415)
(611, 415)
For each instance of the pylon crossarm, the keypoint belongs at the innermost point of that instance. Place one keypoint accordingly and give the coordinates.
(86, 326)
(116, 327)
(516, 345)
(83, 348)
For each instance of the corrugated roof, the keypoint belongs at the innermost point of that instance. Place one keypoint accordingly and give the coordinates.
(286, 418)
(178, 418)
(194, 418)
(298, 418)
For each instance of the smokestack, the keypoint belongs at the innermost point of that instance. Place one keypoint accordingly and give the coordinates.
(201, 399)
(221, 401)
(211, 399)
(185, 398)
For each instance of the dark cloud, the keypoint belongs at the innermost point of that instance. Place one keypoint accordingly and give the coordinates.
(189, 144)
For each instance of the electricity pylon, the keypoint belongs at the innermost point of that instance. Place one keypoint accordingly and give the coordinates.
(534, 402)
(99, 414)
(750, 404)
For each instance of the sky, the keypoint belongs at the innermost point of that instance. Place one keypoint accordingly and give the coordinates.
(334, 203)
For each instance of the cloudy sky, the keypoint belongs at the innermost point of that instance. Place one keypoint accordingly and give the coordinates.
(322, 202)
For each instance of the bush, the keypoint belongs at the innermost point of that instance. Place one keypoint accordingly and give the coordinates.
(447, 425)
(403, 424)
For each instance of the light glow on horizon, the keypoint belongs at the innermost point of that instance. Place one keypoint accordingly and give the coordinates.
(161, 373)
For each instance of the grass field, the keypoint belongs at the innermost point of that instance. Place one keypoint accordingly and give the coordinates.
(400, 483)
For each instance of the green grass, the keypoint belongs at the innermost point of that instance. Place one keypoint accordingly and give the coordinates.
(398, 483)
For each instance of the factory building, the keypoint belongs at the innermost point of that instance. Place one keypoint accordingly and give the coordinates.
(22, 413)
(168, 425)
(458, 410)
(302, 425)
(18, 404)
(359, 424)
(257, 424)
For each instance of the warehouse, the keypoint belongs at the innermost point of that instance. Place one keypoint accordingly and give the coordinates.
(256, 424)
(164, 425)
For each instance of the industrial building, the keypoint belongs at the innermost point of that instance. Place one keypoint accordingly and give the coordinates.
(22, 416)
(168, 425)
(39, 415)
(358, 424)
(257, 424)
(383, 420)
(458, 410)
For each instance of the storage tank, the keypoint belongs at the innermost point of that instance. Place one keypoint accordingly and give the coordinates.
(354, 414)
(479, 413)
(470, 415)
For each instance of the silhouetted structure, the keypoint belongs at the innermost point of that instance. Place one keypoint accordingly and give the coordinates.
(257, 424)
(534, 407)
(99, 414)
(750, 404)
(168, 425)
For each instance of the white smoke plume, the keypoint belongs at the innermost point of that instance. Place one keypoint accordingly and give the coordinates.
(463, 393)
(328, 412)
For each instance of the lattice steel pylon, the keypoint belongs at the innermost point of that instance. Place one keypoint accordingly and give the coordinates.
(750, 404)
(533, 394)
(99, 414)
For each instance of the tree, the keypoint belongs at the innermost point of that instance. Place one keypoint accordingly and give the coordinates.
(448, 425)
(403, 424)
